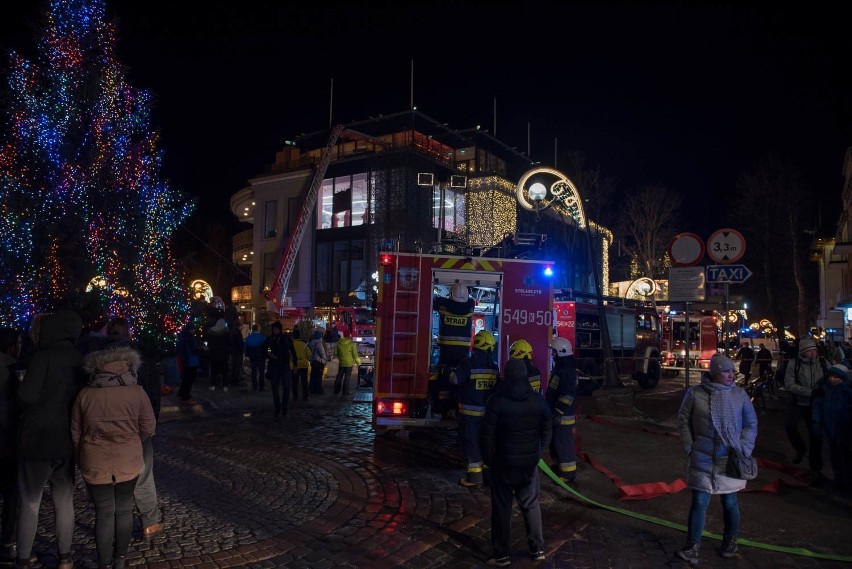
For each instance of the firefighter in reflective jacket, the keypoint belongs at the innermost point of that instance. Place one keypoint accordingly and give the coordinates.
(475, 378)
(455, 320)
(560, 395)
(521, 350)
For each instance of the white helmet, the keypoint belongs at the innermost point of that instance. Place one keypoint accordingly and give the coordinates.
(562, 347)
(459, 292)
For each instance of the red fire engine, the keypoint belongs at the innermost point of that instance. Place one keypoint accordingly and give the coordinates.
(356, 322)
(514, 300)
(634, 333)
(703, 339)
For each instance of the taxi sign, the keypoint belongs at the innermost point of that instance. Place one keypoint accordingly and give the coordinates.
(730, 274)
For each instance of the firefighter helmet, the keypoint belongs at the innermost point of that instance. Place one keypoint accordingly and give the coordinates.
(520, 350)
(459, 292)
(562, 347)
(484, 340)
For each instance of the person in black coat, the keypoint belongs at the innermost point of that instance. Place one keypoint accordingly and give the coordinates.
(281, 354)
(515, 431)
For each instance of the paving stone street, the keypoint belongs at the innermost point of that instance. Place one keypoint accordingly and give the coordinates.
(240, 488)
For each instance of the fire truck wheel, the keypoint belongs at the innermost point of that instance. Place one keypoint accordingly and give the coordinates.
(650, 379)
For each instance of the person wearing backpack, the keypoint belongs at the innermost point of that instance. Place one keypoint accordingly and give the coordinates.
(318, 360)
(803, 377)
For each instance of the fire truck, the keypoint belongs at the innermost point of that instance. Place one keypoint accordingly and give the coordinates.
(515, 301)
(356, 322)
(702, 337)
(634, 332)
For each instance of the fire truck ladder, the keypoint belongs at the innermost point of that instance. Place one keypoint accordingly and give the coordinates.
(406, 320)
(288, 259)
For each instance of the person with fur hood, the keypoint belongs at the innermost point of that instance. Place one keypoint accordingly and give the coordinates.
(111, 417)
(715, 417)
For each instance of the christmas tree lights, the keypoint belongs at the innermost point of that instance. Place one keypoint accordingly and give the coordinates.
(80, 187)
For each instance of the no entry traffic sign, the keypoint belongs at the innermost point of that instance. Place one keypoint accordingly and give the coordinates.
(686, 250)
(726, 246)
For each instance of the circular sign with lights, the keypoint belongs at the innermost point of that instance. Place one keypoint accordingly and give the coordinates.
(542, 188)
(686, 250)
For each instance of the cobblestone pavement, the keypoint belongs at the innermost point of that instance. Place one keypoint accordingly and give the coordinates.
(240, 488)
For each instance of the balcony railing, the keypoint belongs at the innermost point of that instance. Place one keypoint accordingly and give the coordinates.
(241, 245)
(239, 199)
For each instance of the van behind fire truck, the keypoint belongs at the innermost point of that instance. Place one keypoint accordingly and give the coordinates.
(703, 341)
(634, 332)
(514, 300)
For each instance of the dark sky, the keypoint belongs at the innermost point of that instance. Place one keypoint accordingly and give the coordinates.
(683, 96)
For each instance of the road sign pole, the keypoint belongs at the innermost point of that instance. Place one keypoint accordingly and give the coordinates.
(727, 323)
(686, 353)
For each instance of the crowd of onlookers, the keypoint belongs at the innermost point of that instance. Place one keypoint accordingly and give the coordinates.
(89, 400)
(70, 400)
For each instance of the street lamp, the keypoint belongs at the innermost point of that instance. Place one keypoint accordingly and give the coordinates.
(563, 197)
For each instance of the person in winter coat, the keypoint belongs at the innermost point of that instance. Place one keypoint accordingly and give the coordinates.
(187, 353)
(45, 449)
(803, 376)
(111, 418)
(10, 345)
(832, 414)
(282, 357)
(746, 358)
(217, 346)
(300, 372)
(147, 376)
(235, 347)
(255, 350)
(347, 356)
(475, 379)
(516, 429)
(715, 417)
(560, 396)
(319, 357)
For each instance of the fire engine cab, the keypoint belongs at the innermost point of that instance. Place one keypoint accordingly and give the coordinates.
(634, 332)
(356, 322)
(513, 299)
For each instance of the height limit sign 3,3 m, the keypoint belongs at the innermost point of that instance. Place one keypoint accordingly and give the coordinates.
(726, 246)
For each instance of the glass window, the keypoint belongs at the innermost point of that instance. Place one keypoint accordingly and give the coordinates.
(359, 199)
(270, 218)
(322, 283)
(358, 275)
(342, 202)
(269, 260)
(340, 267)
(324, 204)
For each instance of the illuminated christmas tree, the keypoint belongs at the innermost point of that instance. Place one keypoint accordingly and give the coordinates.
(85, 218)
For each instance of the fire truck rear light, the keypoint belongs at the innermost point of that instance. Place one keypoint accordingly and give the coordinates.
(386, 259)
(391, 407)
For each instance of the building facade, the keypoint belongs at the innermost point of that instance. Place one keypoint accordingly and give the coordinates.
(404, 181)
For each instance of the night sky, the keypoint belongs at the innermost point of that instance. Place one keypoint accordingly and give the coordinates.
(687, 97)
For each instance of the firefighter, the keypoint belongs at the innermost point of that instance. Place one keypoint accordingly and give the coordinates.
(521, 350)
(455, 320)
(560, 395)
(475, 378)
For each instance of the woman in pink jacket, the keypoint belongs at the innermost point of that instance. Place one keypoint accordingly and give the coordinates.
(111, 417)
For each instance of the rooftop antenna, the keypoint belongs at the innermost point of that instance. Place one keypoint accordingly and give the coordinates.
(555, 146)
(494, 130)
(330, 102)
(529, 138)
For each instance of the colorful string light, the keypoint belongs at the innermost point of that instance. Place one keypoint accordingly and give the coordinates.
(80, 187)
